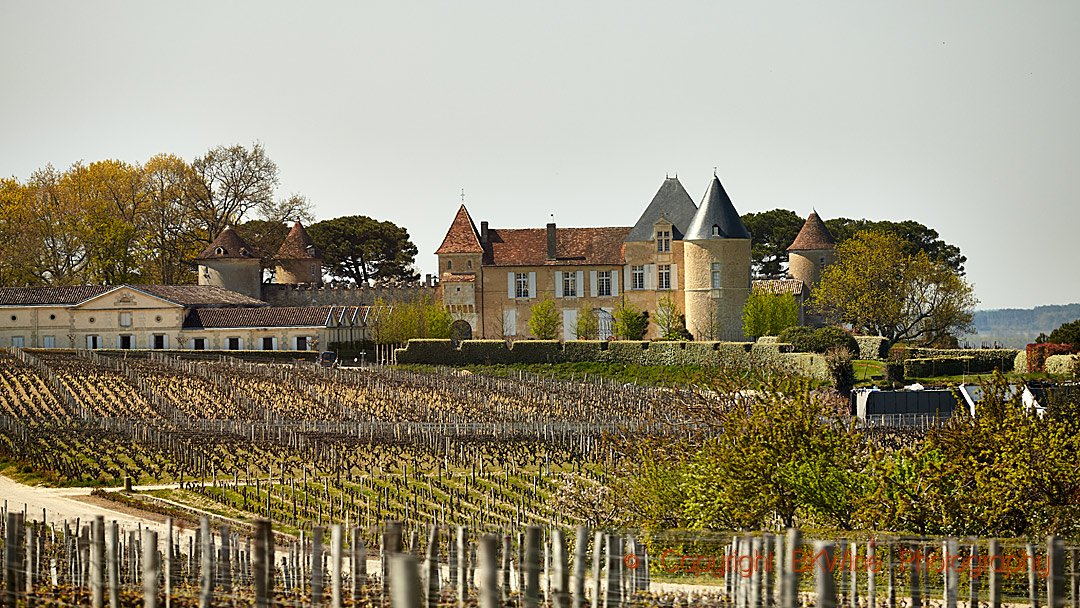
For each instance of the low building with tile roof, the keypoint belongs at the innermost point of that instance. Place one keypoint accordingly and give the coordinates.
(492, 277)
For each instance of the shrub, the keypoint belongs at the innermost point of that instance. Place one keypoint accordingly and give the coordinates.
(727, 348)
(767, 340)
(700, 353)
(1037, 354)
(585, 351)
(770, 349)
(800, 337)
(587, 326)
(872, 347)
(630, 324)
(1020, 363)
(538, 351)
(665, 353)
(628, 352)
(1064, 365)
(487, 352)
(828, 338)
(809, 365)
(769, 313)
(984, 360)
(841, 372)
(937, 366)
(436, 352)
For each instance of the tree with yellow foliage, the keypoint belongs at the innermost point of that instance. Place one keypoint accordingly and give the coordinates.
(878, 289)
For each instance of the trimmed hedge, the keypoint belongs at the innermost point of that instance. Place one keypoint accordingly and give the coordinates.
(487, 352)
(984, 360)
(585, 351)
(1037, 354)
(1020, 364)
(537, 351)
(1062, 364)
(774, 348)
(731, 348)
(438, 352)
(630, 352)
(930, 367)
(768, 340)
(872, 347)
(810, 365)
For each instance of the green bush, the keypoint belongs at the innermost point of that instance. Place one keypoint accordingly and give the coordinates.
(841, 372)
(809, 365)
(435, 352)
(872, 347)
(1065, 365)
(828, 338)
(665, 353)
(930, 367)
(538, 351)
(630, 352)
(800, 337)
(487, 352)
(774, 348)
(984, 360)
(701, 353)
(734, 347)
(767, 340)
(1020, 365)
(585, 351)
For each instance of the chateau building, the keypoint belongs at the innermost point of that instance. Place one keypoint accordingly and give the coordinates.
(696, 255)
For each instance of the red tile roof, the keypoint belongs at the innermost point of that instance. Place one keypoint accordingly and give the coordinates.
(462, 236)
(269, 316)
(778, 286)
(573, 247)
(199, 296)
(184, 295)
(231, 246)
(813, 236)
(298, 246)
(55, 296)
(449, 277)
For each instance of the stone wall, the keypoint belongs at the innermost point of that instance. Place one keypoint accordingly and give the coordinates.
(344, 295)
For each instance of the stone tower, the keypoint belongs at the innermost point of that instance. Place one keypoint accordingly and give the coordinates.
(813, 250)
(298, 261)
(461, 256)
(231, 263)
(716, 254)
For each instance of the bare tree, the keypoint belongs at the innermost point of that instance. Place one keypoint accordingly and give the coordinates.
(229, 182)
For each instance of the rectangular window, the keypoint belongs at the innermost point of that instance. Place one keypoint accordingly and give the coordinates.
(48, 342)
(569, 285)
(663, 276)
(301, 342)
(125, 342)
(716, 275)
(268, 344)
(93, 342)
(509, 323)
(125, 319)
(663, 241)
(159, 341)
(198, 344)
(17, 341)
(603, 283)
(637, 277)
(232, 343)
(521, 285)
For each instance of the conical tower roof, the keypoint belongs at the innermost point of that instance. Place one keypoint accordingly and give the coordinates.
(672, 203)
(462, 236)
(298, 245)
(716, 210)
(813, 236)
(228, 245)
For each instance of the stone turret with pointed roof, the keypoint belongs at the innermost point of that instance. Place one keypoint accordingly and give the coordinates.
(298, 260)
(231, 263)
(462, 236)
(716, 258)
(814, 236)
(671, 203)
(812, 250)
(716, 217)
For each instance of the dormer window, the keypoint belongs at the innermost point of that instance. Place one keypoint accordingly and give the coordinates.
(663, 241)
(220, 251)
(715, 230)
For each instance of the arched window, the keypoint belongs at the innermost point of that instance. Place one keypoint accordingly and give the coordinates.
(468, 265)
(449, 264)
(220, 251)
(715, 230)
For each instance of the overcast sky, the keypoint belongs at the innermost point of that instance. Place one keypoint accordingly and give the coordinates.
(960, 115)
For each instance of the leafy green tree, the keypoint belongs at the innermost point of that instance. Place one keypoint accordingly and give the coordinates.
(588, 323)
(1067, 333)
(878, 289)
(771, 233)
(400, 322)
(915, 236)
(768, 314)
(362, 249)
(545, 320)
(670, 324)
(630, 323)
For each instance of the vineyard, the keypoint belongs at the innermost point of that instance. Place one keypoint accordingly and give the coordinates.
(304, 445)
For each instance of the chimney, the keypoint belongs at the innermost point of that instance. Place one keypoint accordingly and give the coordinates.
(483, 233)
(551, 241)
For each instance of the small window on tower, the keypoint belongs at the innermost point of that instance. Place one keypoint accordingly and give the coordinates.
(468, 265)
(449, 264)
(715, 230)
(821, 261)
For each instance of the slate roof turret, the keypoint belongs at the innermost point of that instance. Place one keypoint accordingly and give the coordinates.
(813, 236)
(716, 210)
(228, 244)
(672, 203)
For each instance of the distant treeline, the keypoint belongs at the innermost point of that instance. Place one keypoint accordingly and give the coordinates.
(1017, 327)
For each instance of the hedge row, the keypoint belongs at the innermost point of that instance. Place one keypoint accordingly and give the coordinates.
(872, 347)
(1062, 364)
(938, 366)
(496, 352)
(274, 356)
(984, 360)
